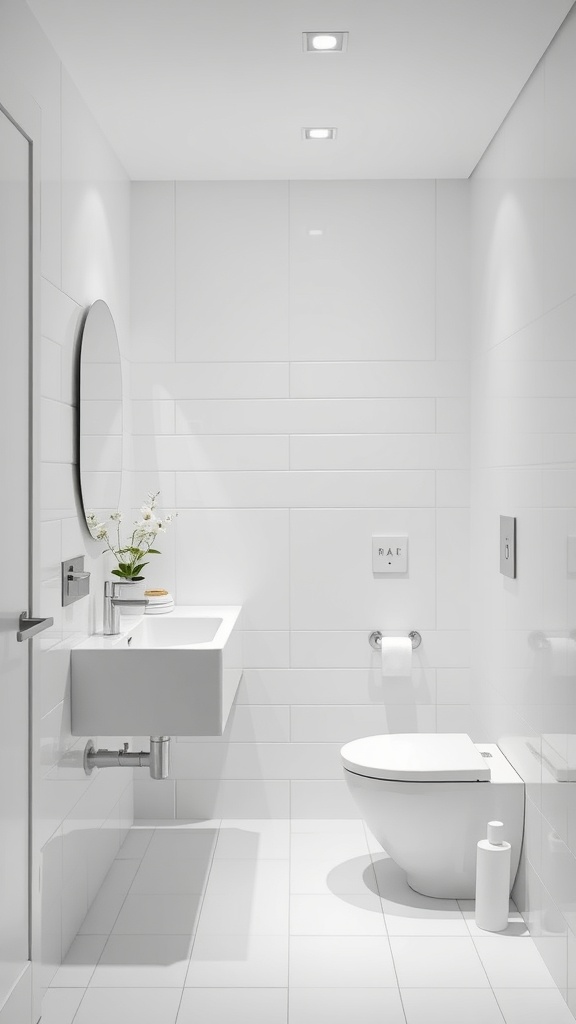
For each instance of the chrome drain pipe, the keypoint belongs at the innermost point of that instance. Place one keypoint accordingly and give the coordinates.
(157, 759)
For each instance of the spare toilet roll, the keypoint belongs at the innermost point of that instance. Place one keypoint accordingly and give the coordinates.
(396, 656)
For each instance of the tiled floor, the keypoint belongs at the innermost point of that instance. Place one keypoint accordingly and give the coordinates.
(267, 922)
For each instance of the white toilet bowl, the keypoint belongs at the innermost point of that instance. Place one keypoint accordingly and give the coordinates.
(427, 798)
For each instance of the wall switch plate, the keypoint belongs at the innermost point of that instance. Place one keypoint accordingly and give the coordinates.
(389, 554)
(75, 581)
(508, 546)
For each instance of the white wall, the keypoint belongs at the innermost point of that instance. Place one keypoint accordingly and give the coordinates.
(295, 393)
(78, 822)
(524, 459)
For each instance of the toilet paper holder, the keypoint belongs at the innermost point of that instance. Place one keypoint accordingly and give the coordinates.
(375, 639)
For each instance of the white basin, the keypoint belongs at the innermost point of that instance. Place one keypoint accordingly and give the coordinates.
(163, 675)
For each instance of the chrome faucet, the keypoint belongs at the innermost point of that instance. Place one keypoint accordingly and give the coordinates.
(112, 603)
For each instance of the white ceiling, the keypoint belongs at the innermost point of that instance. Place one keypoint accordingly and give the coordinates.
(201, 89)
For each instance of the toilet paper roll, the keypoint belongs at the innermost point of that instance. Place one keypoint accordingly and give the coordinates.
(396, 656)
(562, 654)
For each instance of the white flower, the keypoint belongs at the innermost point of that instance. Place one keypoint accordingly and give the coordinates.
(101, 532)
(145, 526)
(116, 517)
(147, 513)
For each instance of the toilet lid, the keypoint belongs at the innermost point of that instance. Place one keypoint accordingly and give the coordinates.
(417, 757)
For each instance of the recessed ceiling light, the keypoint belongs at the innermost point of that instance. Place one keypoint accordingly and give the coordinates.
(324, 42)
(319, 133)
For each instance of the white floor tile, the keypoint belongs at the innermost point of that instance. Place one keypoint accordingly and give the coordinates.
(59, 1005)
(241, 1005)
(410, 913)
(129, 1006)
(533, 1006)
(180, 876)
(516, 924)
(450, 1006)
(336, 915)
(158, 915)
(102, 915)
(143, 961)
(81, 959)
(120, 876)
(437, 962)
(135, 843)
(108, 902)
(334, 847)
(250, 912)
(343, 1005)
(317, 826)
(169, 845)
(255, 961)
(233, 877)
(341, 961)
(511, 964)
(132, 956)
(318, 876)
(251, 839)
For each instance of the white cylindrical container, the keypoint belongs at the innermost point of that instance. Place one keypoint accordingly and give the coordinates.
(493, 880)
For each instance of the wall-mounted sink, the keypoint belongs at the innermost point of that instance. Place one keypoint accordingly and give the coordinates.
(169, 675)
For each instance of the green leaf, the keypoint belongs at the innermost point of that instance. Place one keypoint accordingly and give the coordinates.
(118, 572)
(153, 551)
(138, 568)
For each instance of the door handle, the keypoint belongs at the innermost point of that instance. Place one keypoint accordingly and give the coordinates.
(30, 627)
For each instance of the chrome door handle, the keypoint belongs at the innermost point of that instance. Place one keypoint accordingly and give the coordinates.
(30, 627)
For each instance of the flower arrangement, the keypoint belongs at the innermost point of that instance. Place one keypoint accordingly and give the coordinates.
(129, 556)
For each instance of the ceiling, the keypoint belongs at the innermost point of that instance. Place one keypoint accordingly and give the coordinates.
(217, 89)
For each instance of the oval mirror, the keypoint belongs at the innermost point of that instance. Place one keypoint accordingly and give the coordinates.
(100, 412)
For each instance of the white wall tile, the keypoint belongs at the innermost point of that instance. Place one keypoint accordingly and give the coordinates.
(340, 724)
(305, 416)
(344, 307)
(50, 369)
(152, 260)
(224, 798)
(337, 685)
(318, 599)
(256, 761)
(452, 269)
(325, 799)
(452, 488)
(453, 415)
(236, 557)
(378, 451)
(231, 270)
(368, 441)
(149, 417)
(266, 648)
(453, 568)
(187, 380)
(237, 452)
(57, 439)
(416, 379)
(251, 723)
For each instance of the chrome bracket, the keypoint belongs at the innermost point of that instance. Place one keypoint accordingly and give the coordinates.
(375, 639)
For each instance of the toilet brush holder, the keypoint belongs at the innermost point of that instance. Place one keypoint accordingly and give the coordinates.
(493, 880)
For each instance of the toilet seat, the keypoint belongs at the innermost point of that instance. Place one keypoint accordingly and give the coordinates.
(417, 757)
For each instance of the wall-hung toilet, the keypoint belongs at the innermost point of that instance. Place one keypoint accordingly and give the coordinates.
(427, 798)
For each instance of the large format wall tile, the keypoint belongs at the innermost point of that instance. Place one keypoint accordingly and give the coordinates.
(318, 395)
